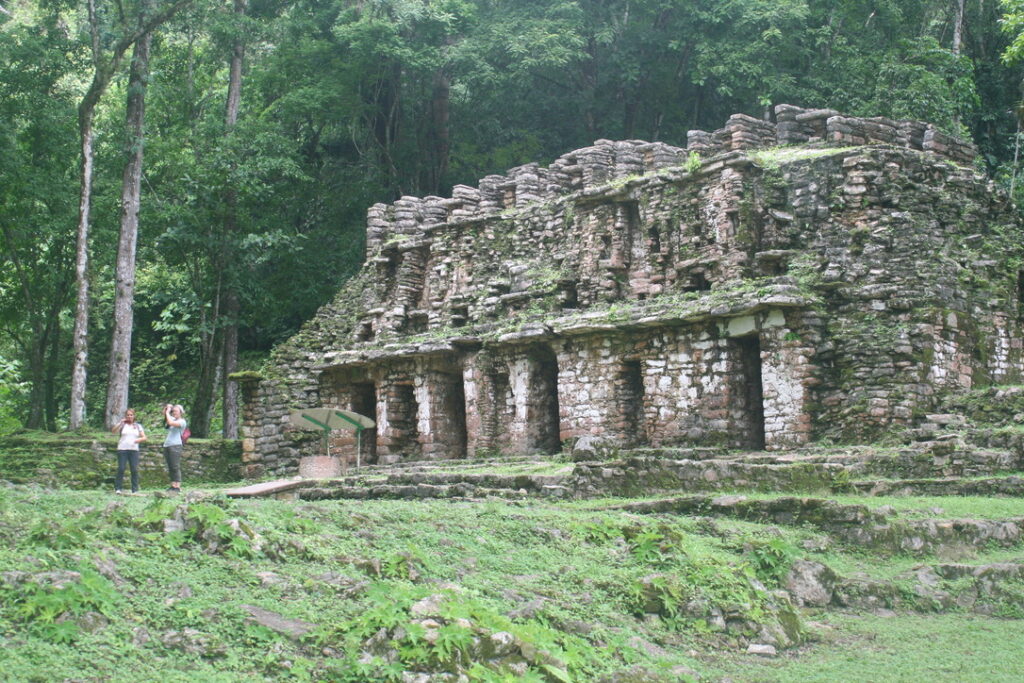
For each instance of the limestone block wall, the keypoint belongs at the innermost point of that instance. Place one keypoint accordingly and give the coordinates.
(917, 302)
(651, 294)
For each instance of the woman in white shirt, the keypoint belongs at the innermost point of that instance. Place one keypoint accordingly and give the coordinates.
(132, 434)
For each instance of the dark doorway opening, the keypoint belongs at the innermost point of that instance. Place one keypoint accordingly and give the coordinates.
(750, 393)
(568, 297)
(1020, 293)
(698, 282)
(455, 409)
(544, 430)
(630, 386)
(388, 271)
(402, 416)
(495, 418)
(364, 402)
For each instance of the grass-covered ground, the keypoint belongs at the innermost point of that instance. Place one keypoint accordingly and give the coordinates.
(101, 587)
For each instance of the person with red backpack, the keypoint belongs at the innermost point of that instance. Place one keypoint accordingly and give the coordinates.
(177, 428)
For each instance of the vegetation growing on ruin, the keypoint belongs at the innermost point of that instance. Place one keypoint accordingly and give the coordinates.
(774, 158)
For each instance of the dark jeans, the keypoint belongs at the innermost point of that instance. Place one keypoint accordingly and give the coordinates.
(172, 456)
(127, 458)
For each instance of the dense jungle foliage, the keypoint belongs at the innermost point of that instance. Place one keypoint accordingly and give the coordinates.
(250, 222)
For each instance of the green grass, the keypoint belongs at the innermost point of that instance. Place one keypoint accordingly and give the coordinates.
(942, 507)
(347, 567)
(917, 507)
(900, 648)
(867, 566)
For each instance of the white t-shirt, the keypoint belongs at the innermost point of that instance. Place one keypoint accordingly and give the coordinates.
(129, 433)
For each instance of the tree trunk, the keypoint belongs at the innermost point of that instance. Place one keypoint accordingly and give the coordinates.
(80, 339)
(958, 27)
(52, 365)
(37, 388)
(103, 72)
(209, 358)
(232, 308)
(588, 87)
(230, 404)
(124, 294)
(440, 107)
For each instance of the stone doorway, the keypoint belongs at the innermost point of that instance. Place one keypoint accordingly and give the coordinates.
(747, 409)
(629, 387)
(451, 420)
(364, 402)
(542, 418)
(403, 415)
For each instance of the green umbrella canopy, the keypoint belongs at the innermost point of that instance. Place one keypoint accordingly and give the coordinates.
(326, 419)
(329, 418)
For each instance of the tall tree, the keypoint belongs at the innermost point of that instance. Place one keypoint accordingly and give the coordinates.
(131, 188)
(105, 65)
(38, 59)
(232, 307)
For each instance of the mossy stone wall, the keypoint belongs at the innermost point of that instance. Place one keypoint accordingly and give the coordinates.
(86, 462)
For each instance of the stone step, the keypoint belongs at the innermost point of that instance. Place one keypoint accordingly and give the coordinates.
(991, 589)
(788, 473)
(644, 476)
(680, 453)
(527, 482)
(469, 463)
(407, 492)
(938, 461)
(932, 460)
(929, 459)
(948, 486)
(854, 525)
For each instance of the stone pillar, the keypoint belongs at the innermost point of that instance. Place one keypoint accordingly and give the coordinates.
(786, 377)
(442, 416)
(250, 427)
(378, 227)
(398, 423)
(701, 141)
(492, 197)
(596, 163)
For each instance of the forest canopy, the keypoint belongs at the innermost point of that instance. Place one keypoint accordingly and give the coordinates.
(270, 126)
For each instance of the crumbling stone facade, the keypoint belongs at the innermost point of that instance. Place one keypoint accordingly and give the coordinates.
(771, 283)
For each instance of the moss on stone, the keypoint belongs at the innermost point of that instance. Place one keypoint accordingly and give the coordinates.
(246, 376)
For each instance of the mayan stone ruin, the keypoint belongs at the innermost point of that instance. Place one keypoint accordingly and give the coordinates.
(768, 286)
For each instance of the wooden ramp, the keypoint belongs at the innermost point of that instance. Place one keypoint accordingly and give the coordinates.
(282, 488)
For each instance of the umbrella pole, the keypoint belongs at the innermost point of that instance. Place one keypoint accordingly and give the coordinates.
(359, 445)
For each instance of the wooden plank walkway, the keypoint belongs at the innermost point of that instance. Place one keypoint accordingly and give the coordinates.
(266, 488)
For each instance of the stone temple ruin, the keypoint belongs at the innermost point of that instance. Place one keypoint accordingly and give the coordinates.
(771, 284)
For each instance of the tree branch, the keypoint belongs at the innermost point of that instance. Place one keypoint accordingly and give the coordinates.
(105, 72)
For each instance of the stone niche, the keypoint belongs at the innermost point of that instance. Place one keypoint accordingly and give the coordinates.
(771, 283)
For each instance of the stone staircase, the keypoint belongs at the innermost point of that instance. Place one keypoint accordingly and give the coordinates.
(933, 463)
